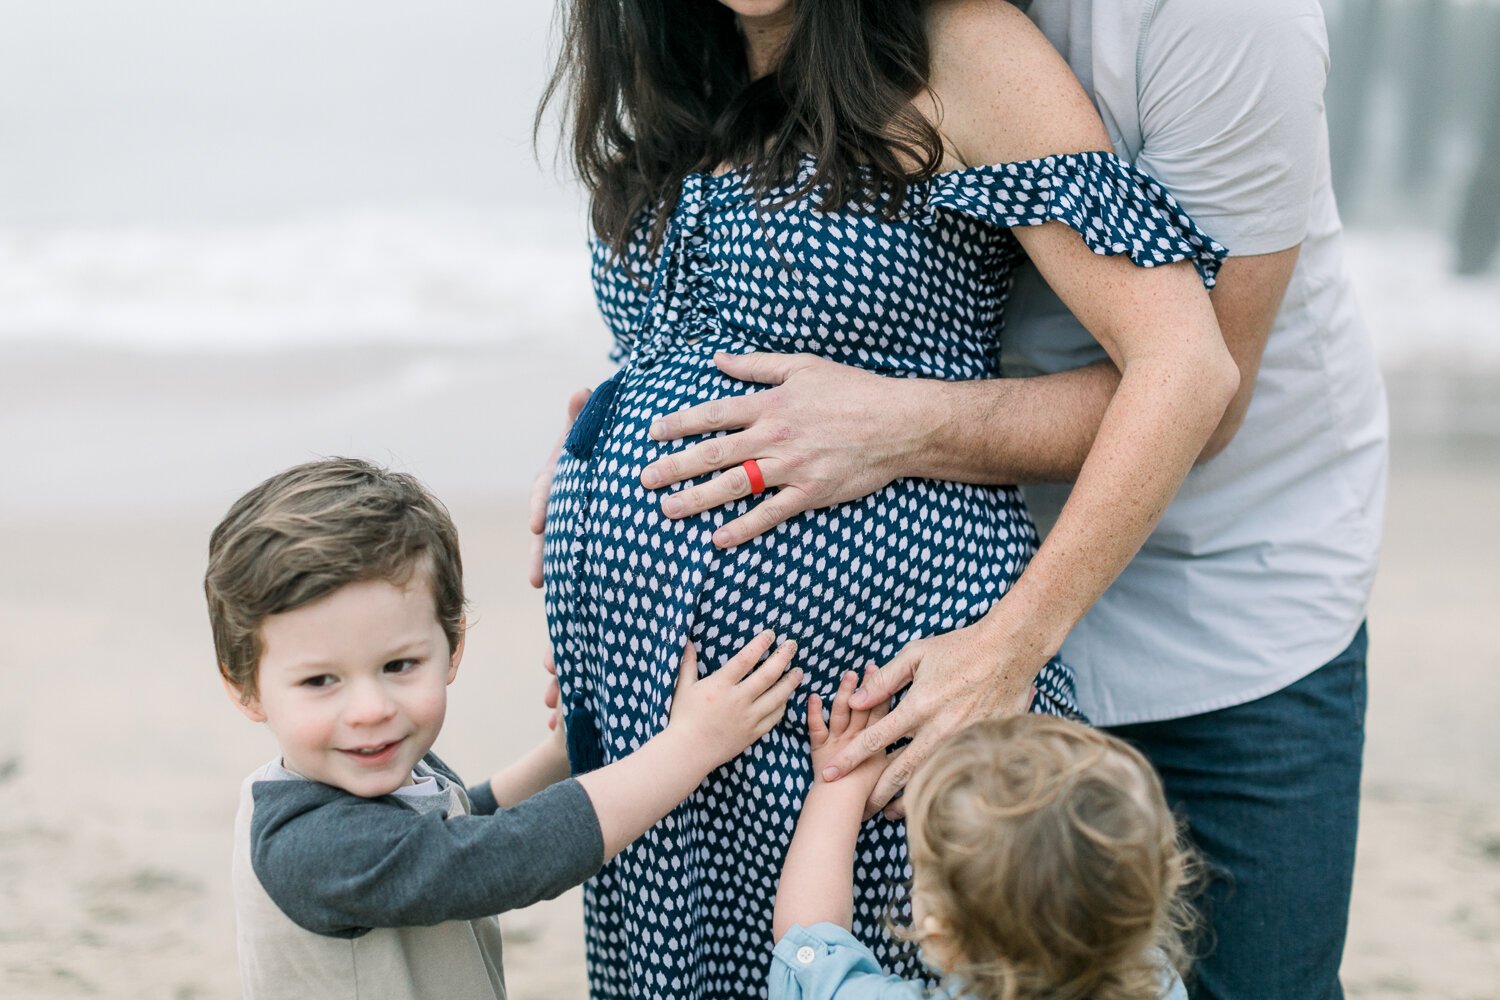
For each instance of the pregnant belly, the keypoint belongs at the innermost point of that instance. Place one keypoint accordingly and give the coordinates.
(626, 586)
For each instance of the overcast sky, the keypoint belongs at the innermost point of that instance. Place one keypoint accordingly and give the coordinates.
(201, 111)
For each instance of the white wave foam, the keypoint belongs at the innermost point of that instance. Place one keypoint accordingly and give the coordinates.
(450, 278)
(1420, 314)
(428, 277)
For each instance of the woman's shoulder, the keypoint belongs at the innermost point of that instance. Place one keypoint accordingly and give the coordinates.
(998, 89)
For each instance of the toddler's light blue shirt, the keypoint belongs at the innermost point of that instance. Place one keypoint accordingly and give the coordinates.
(826, 962)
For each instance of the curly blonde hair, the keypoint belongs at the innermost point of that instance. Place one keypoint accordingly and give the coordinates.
(1047, 854)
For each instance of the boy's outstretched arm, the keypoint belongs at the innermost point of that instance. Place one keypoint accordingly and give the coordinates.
(541, 767)
(817, 879)
(713, 720)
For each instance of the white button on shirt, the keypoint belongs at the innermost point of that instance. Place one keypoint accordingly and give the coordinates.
(805, 955)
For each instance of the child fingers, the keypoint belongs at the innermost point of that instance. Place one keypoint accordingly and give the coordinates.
(768, 672)
(860, 717)
(687, 670)
(742, 663)
(838, 717)
(769, 721)
(817, 729)
(775, 698)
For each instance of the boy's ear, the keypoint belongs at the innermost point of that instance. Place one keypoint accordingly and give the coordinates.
(249, 708)
(458, 650)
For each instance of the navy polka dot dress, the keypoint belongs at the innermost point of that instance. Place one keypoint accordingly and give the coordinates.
(686, 911)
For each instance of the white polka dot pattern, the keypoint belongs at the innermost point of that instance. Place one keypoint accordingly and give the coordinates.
(685, 912)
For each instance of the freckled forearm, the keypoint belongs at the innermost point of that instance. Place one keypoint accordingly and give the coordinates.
(1001, 431)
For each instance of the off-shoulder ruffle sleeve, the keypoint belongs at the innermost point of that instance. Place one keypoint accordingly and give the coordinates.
(1116, 208)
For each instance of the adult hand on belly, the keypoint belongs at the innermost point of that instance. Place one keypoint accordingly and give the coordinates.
(954, 679)
(826, 433)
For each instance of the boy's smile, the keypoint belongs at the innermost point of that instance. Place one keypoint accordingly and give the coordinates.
(355, 684)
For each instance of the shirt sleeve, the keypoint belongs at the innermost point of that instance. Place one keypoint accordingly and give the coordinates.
(1231, 101)
(826, 962)
(339, 865)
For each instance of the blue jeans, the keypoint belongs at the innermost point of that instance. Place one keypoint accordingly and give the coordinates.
(1270, 793)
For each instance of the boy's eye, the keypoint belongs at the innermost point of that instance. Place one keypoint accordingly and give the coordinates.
(400, 666)
(321, 680)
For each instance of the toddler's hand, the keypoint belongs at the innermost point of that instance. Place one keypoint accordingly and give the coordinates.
(844, 726)
(737, 704)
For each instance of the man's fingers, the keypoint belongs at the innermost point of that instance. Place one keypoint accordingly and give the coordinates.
(898, 771)
(550, 693)
(881, 709)
(894, 809)
(870, 742)
(725, 452)
(860, 717)
(767, 673)
(757, 366)
(773, 510)
(728, 413)
(889, 679)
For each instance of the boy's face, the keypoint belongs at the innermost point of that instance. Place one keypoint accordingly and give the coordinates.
(355, 684)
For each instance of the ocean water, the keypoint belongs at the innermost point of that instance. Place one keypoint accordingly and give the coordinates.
(452, 278)
(481, 278)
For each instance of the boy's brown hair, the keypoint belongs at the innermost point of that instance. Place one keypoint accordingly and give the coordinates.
(306, 532)
(1047, 853)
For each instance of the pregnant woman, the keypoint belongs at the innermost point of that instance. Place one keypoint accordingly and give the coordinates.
(854, 179)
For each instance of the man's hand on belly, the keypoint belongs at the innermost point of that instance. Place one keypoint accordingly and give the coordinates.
(952, 680)
(825, 434)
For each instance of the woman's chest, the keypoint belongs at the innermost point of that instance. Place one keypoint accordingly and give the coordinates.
(921, 293)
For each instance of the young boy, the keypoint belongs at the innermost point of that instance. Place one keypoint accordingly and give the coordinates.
(362, 866)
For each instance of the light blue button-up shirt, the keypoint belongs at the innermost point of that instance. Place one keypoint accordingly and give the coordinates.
(826, 962)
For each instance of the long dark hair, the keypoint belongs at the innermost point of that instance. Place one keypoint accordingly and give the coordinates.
(660, 88)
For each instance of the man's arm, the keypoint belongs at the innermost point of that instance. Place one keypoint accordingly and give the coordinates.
(840, 433)
(1040, 429)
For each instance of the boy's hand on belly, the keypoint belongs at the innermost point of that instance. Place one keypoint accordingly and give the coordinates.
(722, 714)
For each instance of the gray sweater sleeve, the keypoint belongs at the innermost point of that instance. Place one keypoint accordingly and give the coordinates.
(339, 865)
